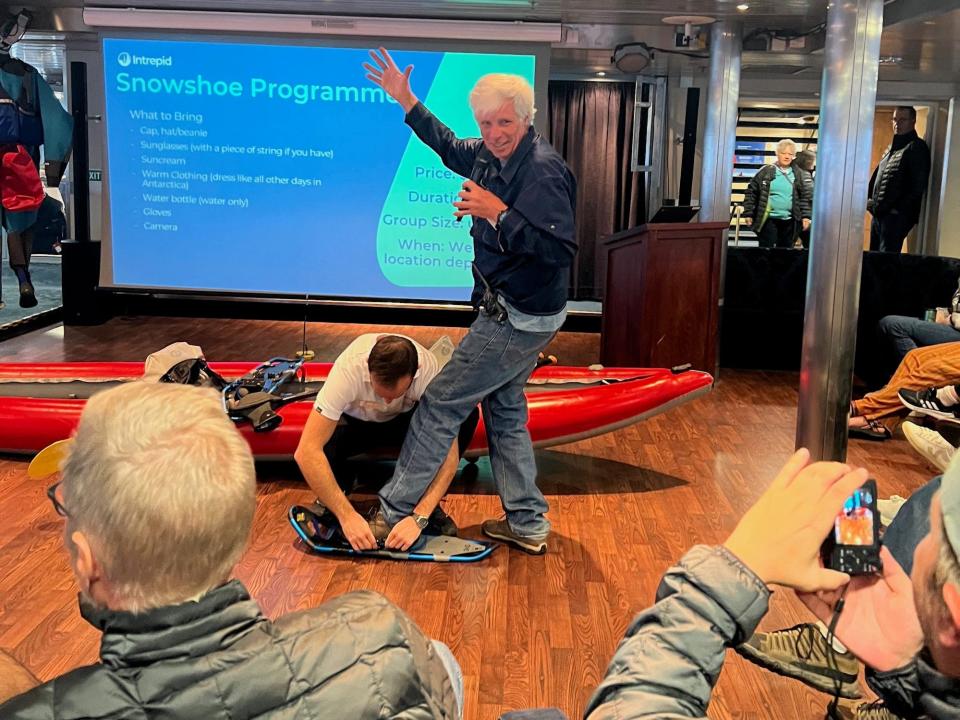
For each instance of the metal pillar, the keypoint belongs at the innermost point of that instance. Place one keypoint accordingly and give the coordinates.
(720, 133)
(720, 136)
(847, 99)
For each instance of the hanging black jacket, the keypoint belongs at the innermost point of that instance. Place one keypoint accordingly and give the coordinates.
(757, 195)
(356, 656)
(900, 179)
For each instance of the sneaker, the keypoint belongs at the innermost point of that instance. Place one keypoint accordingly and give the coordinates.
(802, 653)
(889, 508)
(875, 710)
(500, 530)
(927, 402)
(442, 523)
(28, 298)
(930, 444)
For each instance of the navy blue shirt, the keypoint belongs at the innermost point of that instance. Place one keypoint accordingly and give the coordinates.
(527, 258)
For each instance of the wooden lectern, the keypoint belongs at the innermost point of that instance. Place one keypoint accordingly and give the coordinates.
(660, 308)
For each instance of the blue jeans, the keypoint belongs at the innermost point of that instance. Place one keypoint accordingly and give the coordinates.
(452, 667)
(490, 366)
(908, 333)
(911, 525)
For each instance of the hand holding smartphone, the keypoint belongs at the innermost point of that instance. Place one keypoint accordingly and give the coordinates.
(854, 545)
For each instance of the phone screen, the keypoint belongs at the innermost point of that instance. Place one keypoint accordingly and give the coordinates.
(854, 524)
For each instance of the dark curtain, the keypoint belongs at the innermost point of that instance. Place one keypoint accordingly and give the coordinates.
(591, 126)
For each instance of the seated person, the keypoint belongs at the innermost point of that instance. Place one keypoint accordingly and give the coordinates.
(672, 653)
(366, 405)
(801, 652)
(158, 496)
(908, 633)
(876, 414)
(905, 333)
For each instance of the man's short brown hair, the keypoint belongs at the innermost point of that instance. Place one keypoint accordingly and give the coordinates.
(393, 358)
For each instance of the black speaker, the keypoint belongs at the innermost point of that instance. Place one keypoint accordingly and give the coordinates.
(81, 154)
(80, 265)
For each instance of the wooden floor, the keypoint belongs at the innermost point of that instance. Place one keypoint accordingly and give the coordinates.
(528, 631)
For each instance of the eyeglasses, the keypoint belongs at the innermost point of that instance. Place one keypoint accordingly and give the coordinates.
(57, 505)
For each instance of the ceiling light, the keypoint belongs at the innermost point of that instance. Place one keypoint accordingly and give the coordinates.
(631, 58)
(601, 73)
(743, 7)
(890, 60)
(277, 23)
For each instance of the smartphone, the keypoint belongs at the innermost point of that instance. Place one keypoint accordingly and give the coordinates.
(853, 547)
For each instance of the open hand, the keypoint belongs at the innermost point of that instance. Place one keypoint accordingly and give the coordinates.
(357, 532)
(879, 621)
(779, 538)
(476, 201)
(403, 535)
(387, 75)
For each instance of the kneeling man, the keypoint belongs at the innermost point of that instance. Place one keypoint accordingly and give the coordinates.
(364, 406)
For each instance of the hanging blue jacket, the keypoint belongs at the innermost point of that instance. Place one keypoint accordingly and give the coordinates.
(31, 115)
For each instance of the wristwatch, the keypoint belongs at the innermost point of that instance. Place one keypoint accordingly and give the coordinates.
(421, 520)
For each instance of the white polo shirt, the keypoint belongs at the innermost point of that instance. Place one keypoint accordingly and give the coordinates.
(348, 388)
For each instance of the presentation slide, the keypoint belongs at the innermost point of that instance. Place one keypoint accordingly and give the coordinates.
(282, 169)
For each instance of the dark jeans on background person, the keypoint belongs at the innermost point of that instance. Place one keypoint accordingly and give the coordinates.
(778, 232)
(490, 366)
(888, 232)
(354, 437)
(905, 333)
(911, 525)
(20, 247)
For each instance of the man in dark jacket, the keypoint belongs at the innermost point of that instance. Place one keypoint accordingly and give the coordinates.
(158, 496)
(905, 628)
(521, 196)
(898, 184)
(777, 202)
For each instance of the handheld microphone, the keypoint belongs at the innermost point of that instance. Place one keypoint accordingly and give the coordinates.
(477, 173)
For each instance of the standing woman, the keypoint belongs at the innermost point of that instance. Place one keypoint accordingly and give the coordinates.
(778, 199)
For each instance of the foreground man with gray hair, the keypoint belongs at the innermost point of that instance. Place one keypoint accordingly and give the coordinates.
(521, 196)
(158, 493)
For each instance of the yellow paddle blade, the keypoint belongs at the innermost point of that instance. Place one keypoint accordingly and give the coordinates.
(47, 461)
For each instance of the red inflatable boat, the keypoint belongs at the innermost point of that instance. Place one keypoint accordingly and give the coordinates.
(41, 403)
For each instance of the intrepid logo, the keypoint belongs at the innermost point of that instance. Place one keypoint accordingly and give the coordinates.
(125, 59)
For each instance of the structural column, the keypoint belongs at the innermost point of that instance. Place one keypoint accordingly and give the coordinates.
(847, 98)
(720, 133)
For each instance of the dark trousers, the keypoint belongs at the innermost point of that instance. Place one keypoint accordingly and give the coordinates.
(20, 245)
(354, 437)
(888, 232)
(777, 232)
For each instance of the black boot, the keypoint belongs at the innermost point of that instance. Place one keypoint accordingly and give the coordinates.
(28, 298)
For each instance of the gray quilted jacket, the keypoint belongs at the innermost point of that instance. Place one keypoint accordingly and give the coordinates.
(356, 656)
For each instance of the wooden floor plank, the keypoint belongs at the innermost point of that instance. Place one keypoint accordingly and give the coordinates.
(527, 630)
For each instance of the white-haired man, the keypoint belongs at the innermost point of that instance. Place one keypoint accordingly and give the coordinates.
(158, 493)
(778, 200)
(521, 196)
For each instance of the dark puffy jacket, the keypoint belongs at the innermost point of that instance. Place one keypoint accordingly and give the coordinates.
(356, 656)
(757, 194)
(900, 179)
(527, 258)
